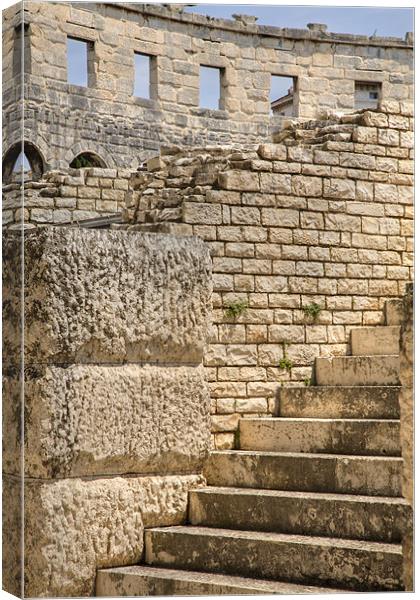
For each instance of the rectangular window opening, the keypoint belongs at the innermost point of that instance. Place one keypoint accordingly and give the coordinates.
(19, 50)
(144, 70)
(211, 87)
(366, 94)
(78, 61)
(283, 96)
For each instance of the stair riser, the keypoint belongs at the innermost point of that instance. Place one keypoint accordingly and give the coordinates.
(378, 521)
(340, 402)
(112, 585)
(316, 473)
(357, 370)
(370, 341)
(296, 562)
(359, 438)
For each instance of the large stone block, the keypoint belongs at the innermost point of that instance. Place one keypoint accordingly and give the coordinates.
(98, 420)
(107, 296)
(74, 526)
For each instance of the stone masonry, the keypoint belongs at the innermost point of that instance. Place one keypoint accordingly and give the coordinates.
(65, 197)
(116, 407)
(324, 218)
(105, 118)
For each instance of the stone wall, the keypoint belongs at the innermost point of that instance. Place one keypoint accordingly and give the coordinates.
(63, 120)
(309, 236)
(65, 197)
(116, 408)
(406, 401)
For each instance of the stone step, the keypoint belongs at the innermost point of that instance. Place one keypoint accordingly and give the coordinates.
(302, 513)
(367, 475)
(357, 370)
(140, 580)
(374, 437)
(350, 564)
(351, 402)
(371, 341)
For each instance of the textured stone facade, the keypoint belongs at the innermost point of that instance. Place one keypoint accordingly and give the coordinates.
(406, 401)
(116, 410)
(105, 118)
(309, 236)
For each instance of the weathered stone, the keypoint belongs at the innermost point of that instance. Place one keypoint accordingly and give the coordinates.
(406, 402)
(277, 556)
(108, 296)
(337, 515)
(74, 526)
(101, 420)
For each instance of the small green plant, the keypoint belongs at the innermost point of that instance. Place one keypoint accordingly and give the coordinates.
(312, 310)
(235, 309)
(285, 362)
(307, 381)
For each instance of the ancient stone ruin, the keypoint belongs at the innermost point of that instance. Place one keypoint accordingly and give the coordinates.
(217, 332)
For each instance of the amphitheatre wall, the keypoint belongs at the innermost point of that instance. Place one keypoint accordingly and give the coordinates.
(106, 119)
(309, 237)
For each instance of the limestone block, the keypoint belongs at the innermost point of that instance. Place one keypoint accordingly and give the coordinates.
(239, 180)
(98, 420)
(74, 526)
(107, 296)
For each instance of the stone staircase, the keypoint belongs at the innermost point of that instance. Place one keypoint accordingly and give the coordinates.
(309, 503)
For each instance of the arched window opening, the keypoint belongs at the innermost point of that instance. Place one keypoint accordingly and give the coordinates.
(87, 159)
(24, 157)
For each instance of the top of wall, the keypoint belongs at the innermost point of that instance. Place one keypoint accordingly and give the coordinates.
(245, 24)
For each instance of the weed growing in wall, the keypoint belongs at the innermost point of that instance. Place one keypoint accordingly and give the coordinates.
(285, 363)
(312, 310)
(235, 309)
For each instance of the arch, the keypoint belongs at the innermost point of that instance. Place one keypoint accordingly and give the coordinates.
(87, 159)
(33, 155)
(87, 147)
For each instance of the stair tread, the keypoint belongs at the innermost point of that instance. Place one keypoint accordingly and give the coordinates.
(356, 498)
(234, 581)
(317, 419)
(325, 542)
(318, 456)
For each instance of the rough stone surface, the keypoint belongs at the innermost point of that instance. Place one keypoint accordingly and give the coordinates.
(379, 402)
(101, 296)
(74, 526)
(301, 513)
(151, 581)
(406, 400)
(330, 436)
(312, 560)
(369, 341)
(369, 475)
(97, 420)
(358, 370)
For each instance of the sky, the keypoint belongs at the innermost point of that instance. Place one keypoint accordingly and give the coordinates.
(393, 22)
